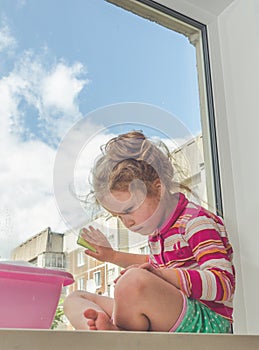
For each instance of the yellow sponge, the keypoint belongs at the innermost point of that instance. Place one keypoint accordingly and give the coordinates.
(81, 241)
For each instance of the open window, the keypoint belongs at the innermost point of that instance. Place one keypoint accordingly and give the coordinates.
(149, 75)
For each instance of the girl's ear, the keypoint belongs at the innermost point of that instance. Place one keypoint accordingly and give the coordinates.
(158, 187)
(157, 183)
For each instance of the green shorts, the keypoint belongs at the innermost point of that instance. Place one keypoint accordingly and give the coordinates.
(199, 318)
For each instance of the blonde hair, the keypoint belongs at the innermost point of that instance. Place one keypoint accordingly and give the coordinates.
(132, 156)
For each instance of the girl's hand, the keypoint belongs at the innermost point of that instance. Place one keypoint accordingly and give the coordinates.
(150, 268)
(168, 275)
(145, 266)
(104, 250)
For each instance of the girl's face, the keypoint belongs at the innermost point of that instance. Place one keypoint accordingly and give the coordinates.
(138, 212)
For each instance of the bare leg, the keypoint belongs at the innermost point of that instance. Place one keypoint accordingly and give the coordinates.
(143, 302)
(77, 302)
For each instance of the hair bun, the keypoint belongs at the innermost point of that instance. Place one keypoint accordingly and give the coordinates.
(124, 146)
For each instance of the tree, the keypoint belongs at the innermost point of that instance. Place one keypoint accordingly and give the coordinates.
(58, 319)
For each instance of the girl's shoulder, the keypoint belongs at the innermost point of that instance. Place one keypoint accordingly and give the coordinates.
(194, 211)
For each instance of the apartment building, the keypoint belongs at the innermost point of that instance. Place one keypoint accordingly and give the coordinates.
(45, 249)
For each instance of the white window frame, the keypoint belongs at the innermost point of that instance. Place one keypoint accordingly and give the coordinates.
(80, 258)
(81, 283)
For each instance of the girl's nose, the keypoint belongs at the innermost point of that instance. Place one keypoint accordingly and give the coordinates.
(127, 221)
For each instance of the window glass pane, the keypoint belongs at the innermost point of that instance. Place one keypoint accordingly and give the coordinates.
(81, 284)
(54, 75)
(80, 258)
(97, 279)
(94, 71)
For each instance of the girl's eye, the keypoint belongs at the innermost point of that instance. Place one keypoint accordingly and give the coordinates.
(128, 210)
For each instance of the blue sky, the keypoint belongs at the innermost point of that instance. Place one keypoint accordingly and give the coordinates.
(124, 57)
(60, 61)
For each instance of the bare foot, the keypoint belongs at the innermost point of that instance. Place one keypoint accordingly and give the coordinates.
(98, 320)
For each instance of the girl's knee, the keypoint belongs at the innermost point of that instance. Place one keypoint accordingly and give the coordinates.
(134, 281)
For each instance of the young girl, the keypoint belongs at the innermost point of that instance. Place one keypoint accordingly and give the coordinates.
(187, 282)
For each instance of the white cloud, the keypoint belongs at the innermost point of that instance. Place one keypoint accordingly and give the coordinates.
(61, 87)
(52, 89)
(7, 41)
(27, 203)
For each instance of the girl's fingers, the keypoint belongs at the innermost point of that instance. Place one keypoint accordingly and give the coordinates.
(116, 279)
(88, 238)
(146, 266)
(91, 253)
(95, 236)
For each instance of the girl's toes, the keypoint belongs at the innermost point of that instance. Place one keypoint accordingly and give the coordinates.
(91, 314)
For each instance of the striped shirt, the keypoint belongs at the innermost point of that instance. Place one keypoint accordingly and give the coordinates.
(194, 242)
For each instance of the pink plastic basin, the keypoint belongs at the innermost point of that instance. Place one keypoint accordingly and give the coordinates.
(29, 295)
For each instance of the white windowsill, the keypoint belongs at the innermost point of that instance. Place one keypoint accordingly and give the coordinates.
(105, 340)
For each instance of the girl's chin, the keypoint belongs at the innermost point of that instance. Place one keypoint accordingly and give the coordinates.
(144, 231)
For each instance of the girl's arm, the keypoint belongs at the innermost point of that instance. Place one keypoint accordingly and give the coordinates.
(119, 258)
(169, 275)
(105, 252)
(215, 278)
